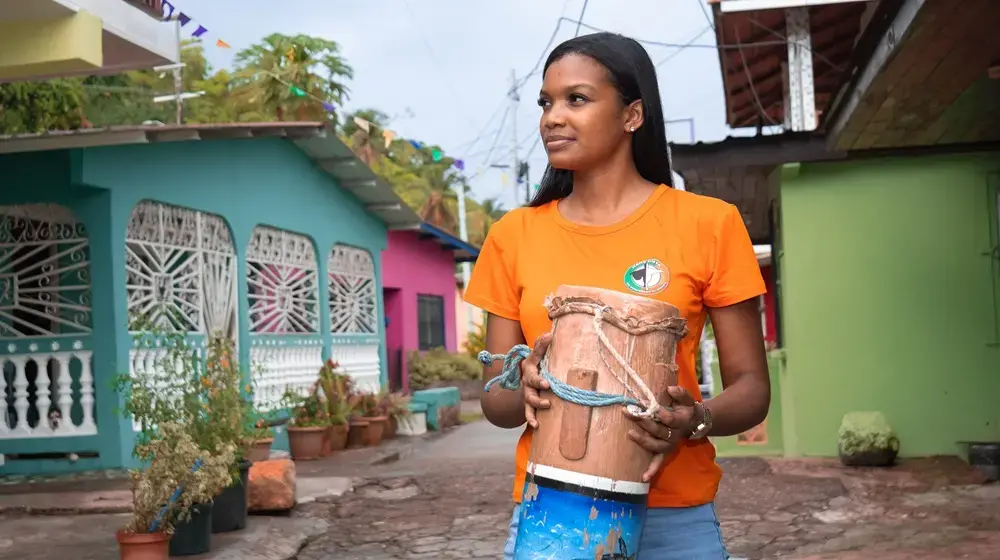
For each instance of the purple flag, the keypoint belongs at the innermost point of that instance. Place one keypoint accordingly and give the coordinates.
(167, 4)
(329, 107)
(460, 165)
(184, 19)
(200, 31)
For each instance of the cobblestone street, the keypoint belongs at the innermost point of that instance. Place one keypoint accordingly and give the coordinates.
(452, 508)
(448, 496)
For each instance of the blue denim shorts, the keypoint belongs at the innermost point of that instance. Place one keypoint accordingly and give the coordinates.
(690, 533)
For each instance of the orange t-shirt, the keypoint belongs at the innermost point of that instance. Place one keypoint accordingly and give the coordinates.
(689, 250)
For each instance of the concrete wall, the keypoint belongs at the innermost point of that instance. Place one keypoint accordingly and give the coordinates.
(414, 266)
(889, 300)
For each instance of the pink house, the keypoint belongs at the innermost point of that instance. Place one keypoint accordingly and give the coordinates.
(418, 284)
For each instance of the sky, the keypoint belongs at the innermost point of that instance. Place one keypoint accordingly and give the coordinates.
(441, 68)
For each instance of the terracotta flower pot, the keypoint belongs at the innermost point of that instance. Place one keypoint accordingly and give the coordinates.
(143, 546)
(391, 427)
(373, 432)
(325, 452)
(261, 450)
(356, 433)
(337, 436)
(306, 443)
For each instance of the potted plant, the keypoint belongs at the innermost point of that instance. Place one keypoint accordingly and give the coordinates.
(172, 390)
(356, 428)
(227, 421)
(169, 494)
(200, 387)
(368, 406)
(396, 406)
(335, 389)
(307, 426)
(260, 449)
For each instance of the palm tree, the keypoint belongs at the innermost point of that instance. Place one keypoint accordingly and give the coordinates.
(267, 69)
(493, 208)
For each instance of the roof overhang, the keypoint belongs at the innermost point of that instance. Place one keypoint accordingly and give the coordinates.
(753, 53)
(42, 39)
(924, 73)
(317, 140)
(742, 171)
(463, 250)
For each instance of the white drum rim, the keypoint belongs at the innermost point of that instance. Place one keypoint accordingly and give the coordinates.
(589, 480)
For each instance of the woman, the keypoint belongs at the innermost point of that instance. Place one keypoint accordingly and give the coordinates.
(607, 216)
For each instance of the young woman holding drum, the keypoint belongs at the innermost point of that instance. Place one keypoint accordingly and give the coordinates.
(606, 216)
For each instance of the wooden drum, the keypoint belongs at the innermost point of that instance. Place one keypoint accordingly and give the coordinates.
(584, 496)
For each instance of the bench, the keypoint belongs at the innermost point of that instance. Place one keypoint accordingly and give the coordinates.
(444, 406)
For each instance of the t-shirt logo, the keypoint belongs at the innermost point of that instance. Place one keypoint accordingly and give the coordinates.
(647, 277)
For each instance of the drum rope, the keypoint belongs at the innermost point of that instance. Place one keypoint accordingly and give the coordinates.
(641, 401)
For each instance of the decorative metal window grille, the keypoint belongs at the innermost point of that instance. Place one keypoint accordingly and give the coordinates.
(353, 299)
(44, 272)
(181, 270)
(430, 316)
(282, 277)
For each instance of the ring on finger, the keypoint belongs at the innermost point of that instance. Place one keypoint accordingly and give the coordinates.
(670, 432)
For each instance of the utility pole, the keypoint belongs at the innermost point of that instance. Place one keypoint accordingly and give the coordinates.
(512, 113)
(178, 73)
(463, 233)
(178, 68)
(527, 184)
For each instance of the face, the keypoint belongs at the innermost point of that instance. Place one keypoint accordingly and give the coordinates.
(584, 121)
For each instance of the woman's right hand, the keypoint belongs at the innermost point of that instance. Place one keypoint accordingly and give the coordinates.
(532, 381)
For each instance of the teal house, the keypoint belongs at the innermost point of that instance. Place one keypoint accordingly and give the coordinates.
(271, 233)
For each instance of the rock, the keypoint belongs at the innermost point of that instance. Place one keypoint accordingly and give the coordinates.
(272, 486)
(867, 440)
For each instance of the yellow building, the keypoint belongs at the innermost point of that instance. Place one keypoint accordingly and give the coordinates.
(42, 39)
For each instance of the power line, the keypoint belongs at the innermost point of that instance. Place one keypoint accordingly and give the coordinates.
(704, 10)
(582, 11)
(430, 51)
(679, 50)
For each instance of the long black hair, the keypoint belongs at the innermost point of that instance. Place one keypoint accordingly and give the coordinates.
(633, 74)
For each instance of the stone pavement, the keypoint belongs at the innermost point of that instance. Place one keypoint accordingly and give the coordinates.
(449, 497)
(451, 500)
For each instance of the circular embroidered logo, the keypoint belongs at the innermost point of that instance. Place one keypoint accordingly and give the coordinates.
(647, 277)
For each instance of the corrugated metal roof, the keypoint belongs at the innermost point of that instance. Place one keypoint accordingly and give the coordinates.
(753, 48)
(315, 139)
(463, 250)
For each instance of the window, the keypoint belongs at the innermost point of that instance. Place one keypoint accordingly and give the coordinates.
(430, 317)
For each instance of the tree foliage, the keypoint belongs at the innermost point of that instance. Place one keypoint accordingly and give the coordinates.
(27, 107)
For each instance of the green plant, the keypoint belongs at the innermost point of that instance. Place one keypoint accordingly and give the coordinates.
(476, 341)
(440, 365)
(171, 456)
(366, 404)
(206, 396)
(228, 417)
(335, 393)
(396, 404)
(306, 411)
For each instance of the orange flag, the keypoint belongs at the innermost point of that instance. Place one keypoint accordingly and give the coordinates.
(222, 44)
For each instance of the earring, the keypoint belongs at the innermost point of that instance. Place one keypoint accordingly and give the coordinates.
(632, 129)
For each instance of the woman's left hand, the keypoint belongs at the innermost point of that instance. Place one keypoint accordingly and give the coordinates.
(661, 436)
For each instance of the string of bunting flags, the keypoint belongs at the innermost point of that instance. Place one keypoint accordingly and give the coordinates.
(169, 9)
